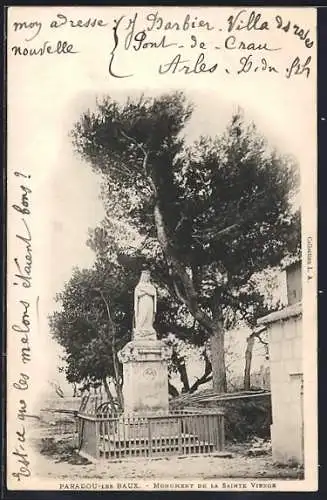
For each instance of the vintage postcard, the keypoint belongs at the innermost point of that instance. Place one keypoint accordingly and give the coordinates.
(162, 267)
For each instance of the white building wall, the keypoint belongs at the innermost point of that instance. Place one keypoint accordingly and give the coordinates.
(285, 350)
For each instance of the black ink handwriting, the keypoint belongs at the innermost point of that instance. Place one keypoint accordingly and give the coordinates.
(248, 64)
(113, 52)
(23, 208)
(299, 32)
(22, 384)
(299, 68)
(156, 22)
(60, 48)
(21, 455)
(24, 329)
(19, 174)
(25, 271)
(62, 20)
(21, 413)
(177, 65)
(232, 43)
(245, 21)
(28, 25)
(141, 43)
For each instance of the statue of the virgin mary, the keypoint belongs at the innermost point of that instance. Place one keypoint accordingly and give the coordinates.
(145, 308)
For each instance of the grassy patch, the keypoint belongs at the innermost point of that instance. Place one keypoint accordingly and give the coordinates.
(62, 450)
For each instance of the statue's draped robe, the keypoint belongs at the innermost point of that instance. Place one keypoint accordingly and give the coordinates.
(145, 304)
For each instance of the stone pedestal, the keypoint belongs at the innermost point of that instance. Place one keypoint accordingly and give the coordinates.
(145, 388)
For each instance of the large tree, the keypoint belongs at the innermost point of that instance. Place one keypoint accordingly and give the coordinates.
(220, 209)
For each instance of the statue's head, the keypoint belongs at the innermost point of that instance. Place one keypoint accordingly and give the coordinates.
(145, 275)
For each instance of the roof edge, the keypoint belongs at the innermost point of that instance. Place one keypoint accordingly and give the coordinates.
(283, 314)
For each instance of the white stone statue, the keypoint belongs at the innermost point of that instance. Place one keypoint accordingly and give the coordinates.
(145, 308)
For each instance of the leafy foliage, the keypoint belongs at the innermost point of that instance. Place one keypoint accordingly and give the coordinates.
(226, 201)
(247, 418)
(216, 212)
(81, 325)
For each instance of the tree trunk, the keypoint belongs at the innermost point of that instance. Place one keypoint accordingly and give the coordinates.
(218, 358)
(248, 361)
(207, 375)
(172, 390)
(118, 387)
(181, 367)
(108, 392)
(119, 392)
(184, 376)
(112, 328)
(188, 296)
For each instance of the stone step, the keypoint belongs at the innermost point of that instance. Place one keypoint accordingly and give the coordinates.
(185, 438)
(155, 446)
(159, 450)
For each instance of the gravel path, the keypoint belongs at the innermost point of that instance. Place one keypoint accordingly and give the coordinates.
(185, 468)
(54, 458)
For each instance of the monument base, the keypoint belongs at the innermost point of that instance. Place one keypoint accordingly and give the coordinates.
(145, 388)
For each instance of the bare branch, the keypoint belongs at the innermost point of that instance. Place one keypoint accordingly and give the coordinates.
(131, 139)
(211, 233)
(180, 222)
(123, 168)
(178, 293)
(257, 335)
(208, 233)
(145, 159)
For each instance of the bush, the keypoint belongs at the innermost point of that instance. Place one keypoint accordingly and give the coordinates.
(62, 450)
(247, 418)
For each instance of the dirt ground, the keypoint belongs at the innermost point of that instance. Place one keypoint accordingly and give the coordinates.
(58, 459)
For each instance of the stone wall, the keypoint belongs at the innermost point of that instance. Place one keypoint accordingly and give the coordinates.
(286, 379)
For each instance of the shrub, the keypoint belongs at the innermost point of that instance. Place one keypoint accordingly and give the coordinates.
(246, 418)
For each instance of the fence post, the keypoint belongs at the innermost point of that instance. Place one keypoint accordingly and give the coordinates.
(97, 439)
(180, 435)
(222, 427)
(81, 430)
(78, 431)
(150, 437)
